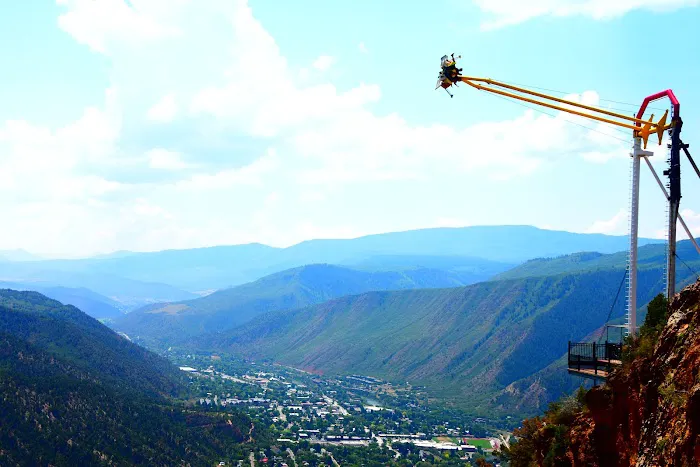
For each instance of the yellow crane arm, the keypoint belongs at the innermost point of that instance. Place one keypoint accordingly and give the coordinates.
(639, 127)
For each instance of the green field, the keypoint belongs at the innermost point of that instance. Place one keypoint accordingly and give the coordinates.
(480, 443)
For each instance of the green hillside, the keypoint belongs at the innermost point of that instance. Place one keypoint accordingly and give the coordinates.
(72, 392)
(165, 324)
(469, 270)
(649, 256)
(84, 342)
(469, 345)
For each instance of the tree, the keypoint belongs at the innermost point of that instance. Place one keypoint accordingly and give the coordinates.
(657, 313)
(643, 344)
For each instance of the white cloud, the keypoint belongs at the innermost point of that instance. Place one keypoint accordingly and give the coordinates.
(272, 198)
(510, 12)
(601, 157)
(359, 146)
(167, 160)
(41, 163)
(142, 207)
(692, 220)
(449, 222)
(311, 196)
(362, 47)
(102, 24)
(616, 225)
(281, 156)
(324, 62)
(251, 174)
(164, 110)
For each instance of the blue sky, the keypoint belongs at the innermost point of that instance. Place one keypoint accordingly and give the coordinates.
(154, 124)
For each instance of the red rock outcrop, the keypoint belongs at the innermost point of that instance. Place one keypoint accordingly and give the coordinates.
(648, 414)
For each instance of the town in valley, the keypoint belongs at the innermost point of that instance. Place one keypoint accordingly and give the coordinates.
(322, 420)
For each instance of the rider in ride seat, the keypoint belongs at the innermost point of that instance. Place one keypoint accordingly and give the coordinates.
(449, 67)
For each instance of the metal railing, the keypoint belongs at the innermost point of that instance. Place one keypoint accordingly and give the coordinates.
(594, 356)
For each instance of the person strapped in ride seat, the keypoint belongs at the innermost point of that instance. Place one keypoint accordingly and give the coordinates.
(450, 67)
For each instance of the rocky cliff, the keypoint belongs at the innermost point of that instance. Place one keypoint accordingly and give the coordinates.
(648, 414)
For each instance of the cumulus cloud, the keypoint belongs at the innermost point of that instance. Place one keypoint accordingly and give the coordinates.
(324, 62)
(164, 110)
(616, 225)
(48, 164)
(273, 154)
(509, 12)
(449, 222)
(100, 25)
(252, 174)
(163, 159)
(692, 220)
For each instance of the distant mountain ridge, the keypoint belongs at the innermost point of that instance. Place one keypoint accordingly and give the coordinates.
(96, 305)
(17, 255)
(294, 288)
(226, 266)
(128, 293)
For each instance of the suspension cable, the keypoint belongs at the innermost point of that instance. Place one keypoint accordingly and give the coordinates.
(544, 112)
(567, 92)
(689, 268)
(624, 276)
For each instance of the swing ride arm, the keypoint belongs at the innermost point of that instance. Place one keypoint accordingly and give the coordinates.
(640, 128)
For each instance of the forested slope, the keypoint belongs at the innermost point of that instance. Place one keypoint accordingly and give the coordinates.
(73, 392)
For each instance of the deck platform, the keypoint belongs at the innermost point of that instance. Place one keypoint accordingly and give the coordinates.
(593, 360)
(589, 373)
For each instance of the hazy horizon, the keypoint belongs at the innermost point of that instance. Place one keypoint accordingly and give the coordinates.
(40, 256)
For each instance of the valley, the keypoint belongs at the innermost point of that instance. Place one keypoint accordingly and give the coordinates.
(61, 369)
(493, 347)
(401, 358)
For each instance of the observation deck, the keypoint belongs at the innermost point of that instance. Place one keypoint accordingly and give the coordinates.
(593, 360)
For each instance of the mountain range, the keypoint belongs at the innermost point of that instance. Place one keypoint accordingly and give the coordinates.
(203, 269)
(171, 323)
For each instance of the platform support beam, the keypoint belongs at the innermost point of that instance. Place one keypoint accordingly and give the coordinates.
(637, 154)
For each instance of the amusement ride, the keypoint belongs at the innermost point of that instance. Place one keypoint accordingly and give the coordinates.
(588, 359)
